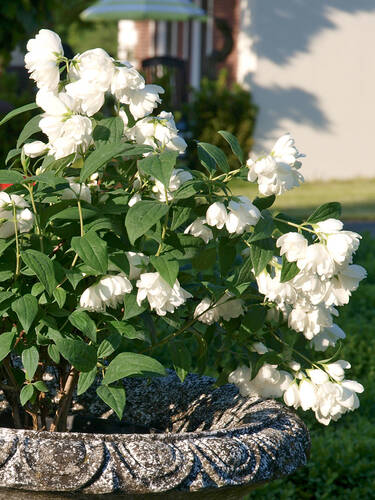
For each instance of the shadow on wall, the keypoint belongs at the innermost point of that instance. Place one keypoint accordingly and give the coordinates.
(280, 30)
(283, 28)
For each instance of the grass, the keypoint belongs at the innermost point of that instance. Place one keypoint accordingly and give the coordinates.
(357, 197)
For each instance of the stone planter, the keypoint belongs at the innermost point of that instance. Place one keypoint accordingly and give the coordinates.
(199, 441)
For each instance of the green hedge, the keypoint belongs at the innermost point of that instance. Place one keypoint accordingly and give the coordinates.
(342, 462)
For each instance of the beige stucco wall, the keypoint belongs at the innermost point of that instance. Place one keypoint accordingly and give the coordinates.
(311, 67)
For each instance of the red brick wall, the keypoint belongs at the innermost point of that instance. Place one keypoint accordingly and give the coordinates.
(229, 10)
(142, 49)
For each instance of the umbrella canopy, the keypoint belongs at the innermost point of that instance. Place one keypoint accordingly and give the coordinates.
(162, 10)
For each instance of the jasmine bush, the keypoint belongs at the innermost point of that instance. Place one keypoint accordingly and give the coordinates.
(117, 261)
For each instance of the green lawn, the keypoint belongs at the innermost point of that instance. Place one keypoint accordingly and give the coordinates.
(356, 196)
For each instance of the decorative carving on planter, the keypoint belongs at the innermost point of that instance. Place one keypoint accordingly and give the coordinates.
(200, 438)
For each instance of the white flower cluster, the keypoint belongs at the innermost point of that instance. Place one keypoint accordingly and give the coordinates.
(24, 217)
(108, 292)
(161, 296)
(227, 307)
(326, 279)
(160, 132)
(69, 106)
(279, 171)
(242, 215)
(324, 391)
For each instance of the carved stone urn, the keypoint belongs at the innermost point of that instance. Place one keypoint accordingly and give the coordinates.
(192, 439)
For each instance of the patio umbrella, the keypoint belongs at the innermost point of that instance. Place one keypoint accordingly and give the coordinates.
(163, 10)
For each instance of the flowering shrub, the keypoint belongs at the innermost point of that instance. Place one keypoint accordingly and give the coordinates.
(116, 263)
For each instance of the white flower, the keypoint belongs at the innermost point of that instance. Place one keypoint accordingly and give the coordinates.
(240, 375)
(274, 290)
(327, 337)
(259, 347)
(269, 382)
(343, 284)
(317, 376)
(67, 131)
(24, 217)
(134, 199)
(160, 132)
(335, 399)
(317, 259)
(125, 78)
(293, 245)
(179, 176)
(199, 229)
(41, 60)
(76, 191)
(95, 67)
(273, 177)
(108, 292)
(336, 370)
(243, 214)
(309, 320)
(34, 149)
(284, 150)
(216, 215)
(137, 261)
(307, 394)
(340, 244)
(206, 313)
(291, 396)
(328, 226)
(143, 101)
(89, 97)
(159, 294)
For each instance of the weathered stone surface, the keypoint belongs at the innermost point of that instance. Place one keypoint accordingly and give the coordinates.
(199, 439)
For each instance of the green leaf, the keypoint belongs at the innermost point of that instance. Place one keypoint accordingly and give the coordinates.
(30, 360)
(60, 296)
(227, 255)
(216, 154)
(114, 397)
(121, 262)
(131, 307)
(330, 210)
(206, 160)
(181, 214)
(85, 380)
(6, 343)
(10, 177)
(159, 166)
(109, 345)
(40, 386)
(48, 178)
(205, 259)
(189, 189)
(254, 318)
(168, 269)
(127, 364)
(72, 213)
(26, 308)
(261, 253)
(108, 131)
(233, 143)
(266, 202)
(53, 353)
(92, 250)
(128, 331)
(181, 358)
(142, 216)
(82, 321)
(98, 158)
(263, 228)
(42, 267)
(288, 271)
(81, 355)
(12, 154)
(18, 111)
(49, 163)
(31, 127)
(74, 277)
(26, 394)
